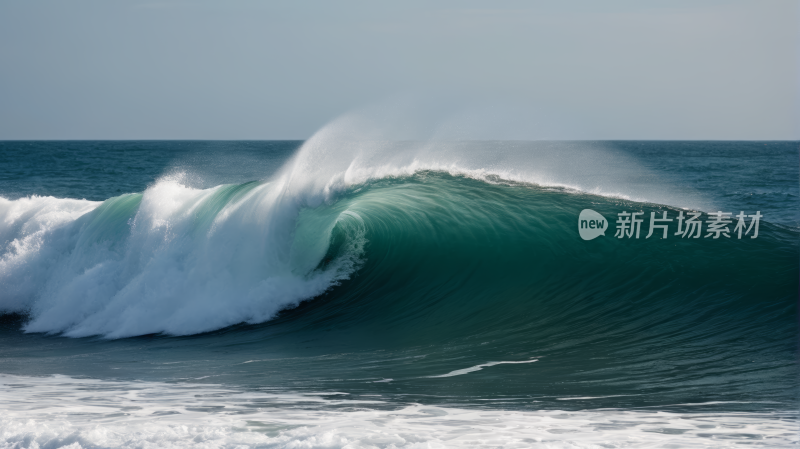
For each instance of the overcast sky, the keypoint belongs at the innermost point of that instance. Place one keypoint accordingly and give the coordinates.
(245, 69)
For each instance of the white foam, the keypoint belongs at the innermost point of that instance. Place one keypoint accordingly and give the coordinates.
(61, 412)
(27, 226)
(472, 369)
(585, 398)
(165, 270)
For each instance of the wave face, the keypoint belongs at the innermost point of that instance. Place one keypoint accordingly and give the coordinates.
(419, 279)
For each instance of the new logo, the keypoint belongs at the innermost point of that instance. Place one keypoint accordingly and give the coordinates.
(591, 224)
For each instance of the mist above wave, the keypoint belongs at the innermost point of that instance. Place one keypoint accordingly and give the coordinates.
(359, 147)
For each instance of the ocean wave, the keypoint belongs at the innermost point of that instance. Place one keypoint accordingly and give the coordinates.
(178, 260)
(432, 225)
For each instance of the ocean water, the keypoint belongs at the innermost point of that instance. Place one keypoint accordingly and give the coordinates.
(341, 293)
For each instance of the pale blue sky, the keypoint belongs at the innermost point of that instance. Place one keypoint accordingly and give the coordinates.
(243, 69)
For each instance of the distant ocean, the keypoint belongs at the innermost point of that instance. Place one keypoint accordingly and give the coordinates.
(332, 294)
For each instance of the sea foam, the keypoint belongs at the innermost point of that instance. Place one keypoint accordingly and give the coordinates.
(65, 412)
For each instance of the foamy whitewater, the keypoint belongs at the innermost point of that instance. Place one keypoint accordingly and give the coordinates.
(353, 291)
(65, 412)
(183, 264)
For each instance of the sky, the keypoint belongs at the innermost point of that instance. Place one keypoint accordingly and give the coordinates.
(247, 69)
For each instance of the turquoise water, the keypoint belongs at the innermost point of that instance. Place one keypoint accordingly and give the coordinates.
(442, 281)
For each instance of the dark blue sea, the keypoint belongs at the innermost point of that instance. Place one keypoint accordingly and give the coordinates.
(359, 294)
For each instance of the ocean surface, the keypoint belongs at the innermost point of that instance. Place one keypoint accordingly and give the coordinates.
(334, 293)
